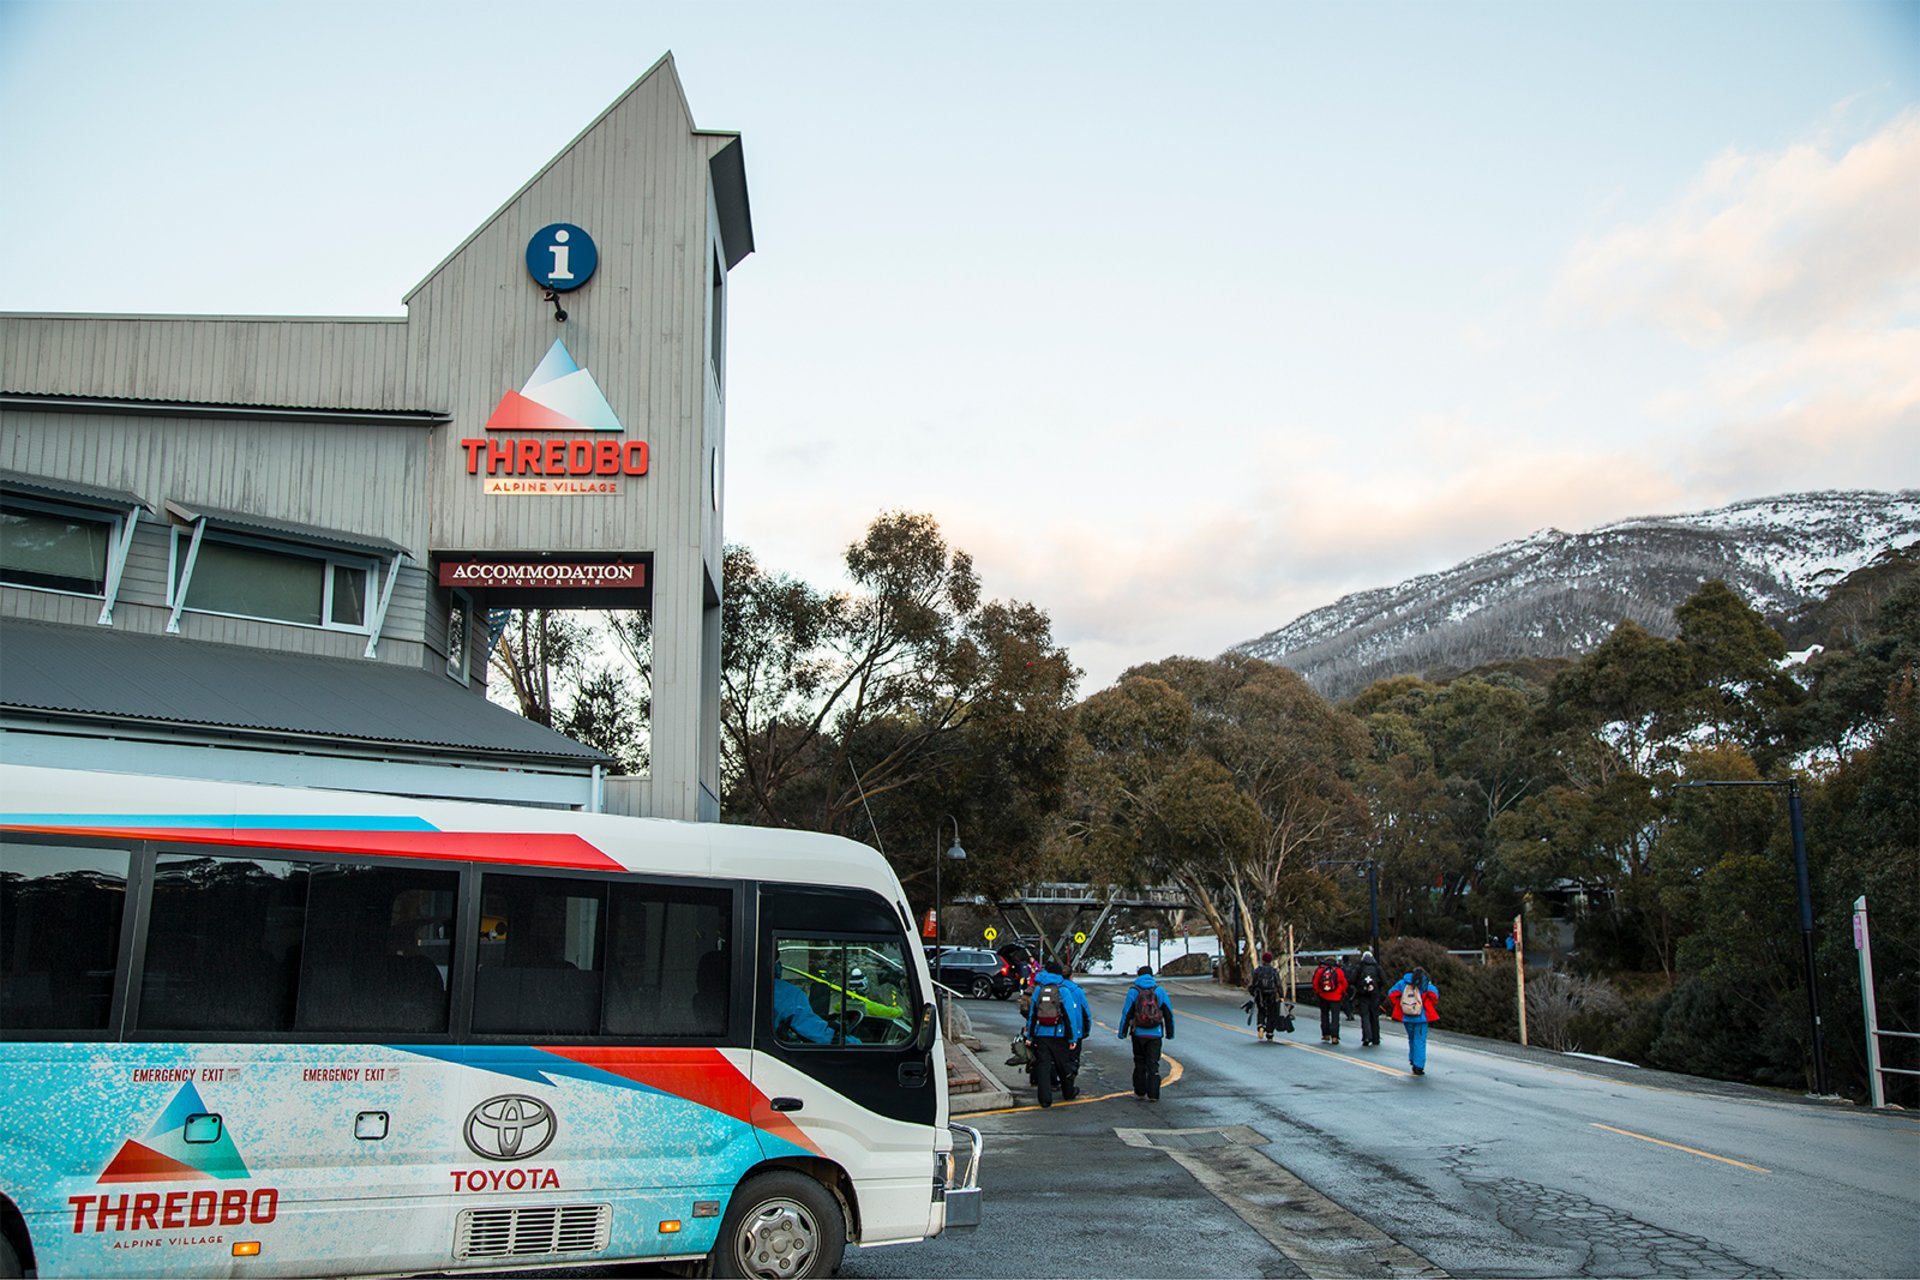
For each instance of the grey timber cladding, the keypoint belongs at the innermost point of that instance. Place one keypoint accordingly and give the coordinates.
(320, 363)
(638, 180)
(359, 478)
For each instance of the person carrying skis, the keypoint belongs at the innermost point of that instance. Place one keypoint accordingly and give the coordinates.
(1265, 990)
(1057, 1021)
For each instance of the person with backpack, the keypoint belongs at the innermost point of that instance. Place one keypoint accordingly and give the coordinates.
(1369, 983)
(1415, 1003)
(1330, 988)
(1057, 1020)
(1146, 1017)
(1265, 990)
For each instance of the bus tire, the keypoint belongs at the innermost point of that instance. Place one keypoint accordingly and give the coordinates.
(783, 1225)
(9, 1261)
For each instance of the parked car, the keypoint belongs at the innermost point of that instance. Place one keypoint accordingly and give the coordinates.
(980, 974)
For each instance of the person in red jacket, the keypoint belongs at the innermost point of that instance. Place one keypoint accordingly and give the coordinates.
(1330, 989)
(1415, 1003)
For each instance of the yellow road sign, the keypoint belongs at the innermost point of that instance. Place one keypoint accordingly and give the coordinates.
(1079, 939)
(991, 933)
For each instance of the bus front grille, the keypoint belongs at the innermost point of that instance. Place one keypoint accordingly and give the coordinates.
(533, 1231)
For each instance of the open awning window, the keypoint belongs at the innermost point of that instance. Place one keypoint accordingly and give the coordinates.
(66, 536)
(248, 566)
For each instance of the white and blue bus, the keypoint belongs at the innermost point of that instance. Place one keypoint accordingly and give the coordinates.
(252, 1030)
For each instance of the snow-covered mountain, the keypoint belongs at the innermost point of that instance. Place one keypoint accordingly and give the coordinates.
(1556, 594)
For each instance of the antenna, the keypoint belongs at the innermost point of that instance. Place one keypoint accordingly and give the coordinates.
(864, 805)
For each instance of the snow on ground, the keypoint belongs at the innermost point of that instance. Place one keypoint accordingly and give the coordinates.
(1130, 953)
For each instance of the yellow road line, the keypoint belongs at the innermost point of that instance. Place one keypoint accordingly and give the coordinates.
(1692, 1151)
(1172, 1077)
(1304, 1048)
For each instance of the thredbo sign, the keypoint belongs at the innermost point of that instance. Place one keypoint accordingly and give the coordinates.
(559, 397)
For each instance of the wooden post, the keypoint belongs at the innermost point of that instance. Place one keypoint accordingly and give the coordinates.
(1291, 992)
(1520, 973)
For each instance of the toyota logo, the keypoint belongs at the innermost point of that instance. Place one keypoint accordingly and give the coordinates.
(510, 1127)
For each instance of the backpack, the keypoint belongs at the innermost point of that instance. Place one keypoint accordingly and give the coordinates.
(1326, 980)
(1266, 978)
(1412, 1005)
(1048, 1009)
(1146, 1009)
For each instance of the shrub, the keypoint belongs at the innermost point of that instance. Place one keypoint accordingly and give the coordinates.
(1567, 1012)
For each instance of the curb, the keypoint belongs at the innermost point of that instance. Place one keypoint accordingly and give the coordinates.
(992, 1097)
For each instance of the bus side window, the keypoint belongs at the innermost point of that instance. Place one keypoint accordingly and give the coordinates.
(222, 944)
(363, 963)
(60, 913)
(669, 969)
(543, 977)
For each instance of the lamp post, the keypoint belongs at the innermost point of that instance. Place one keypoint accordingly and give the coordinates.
(1370, 868)
(1798, 828)
(955, 852)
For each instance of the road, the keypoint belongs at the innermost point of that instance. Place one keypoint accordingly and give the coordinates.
(1293, 1158)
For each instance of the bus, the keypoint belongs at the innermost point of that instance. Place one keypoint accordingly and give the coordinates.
(250, 1030)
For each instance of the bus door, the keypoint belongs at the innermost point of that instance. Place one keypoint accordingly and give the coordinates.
(845, 1062)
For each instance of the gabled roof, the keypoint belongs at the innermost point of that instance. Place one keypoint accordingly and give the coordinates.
(728, 176)
(99, 675)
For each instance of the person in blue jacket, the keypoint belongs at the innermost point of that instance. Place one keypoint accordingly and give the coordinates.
(1058, 1018)
(1146, 1017)
(1415, 1003)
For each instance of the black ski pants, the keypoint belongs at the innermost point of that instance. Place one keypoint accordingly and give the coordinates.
(1146, 1066)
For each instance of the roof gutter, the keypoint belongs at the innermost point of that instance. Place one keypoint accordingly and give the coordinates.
(52, 403)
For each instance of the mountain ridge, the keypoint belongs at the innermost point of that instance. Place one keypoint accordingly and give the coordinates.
(1556, 594)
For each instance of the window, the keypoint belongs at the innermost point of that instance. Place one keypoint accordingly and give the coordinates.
(717, 317)
(55, 548)
(564, 957)
(255, 579)
(60, 913)
(259, 945)
(459, 609)
(841, 991)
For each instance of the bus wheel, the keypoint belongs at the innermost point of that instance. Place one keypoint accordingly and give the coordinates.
(9, 1260)
(780, 1225)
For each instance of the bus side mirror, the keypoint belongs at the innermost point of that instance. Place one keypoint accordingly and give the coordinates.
(923, 1033)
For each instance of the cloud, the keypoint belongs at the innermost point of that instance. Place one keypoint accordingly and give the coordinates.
(1769, 244)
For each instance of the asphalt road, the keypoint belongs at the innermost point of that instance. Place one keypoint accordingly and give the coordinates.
(1291, 1158)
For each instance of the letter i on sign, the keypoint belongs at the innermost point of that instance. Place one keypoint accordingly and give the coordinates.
(560, 253)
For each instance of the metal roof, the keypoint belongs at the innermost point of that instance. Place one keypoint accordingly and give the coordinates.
(91, 495)
(287, 530)
(99, 674)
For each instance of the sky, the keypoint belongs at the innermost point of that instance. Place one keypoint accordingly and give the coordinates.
(1182, 320)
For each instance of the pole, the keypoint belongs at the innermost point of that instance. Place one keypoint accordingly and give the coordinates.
(1863, 943)
(939, 924)
(1373, 903)
(1520, 972)
(1806, 937)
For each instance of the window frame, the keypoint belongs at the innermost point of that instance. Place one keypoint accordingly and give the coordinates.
(333, 560)
(126, 953)
(462, 973)
(916, 999)
(739, 1032)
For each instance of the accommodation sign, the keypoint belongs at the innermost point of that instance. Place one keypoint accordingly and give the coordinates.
(557, 435)
(539, 573)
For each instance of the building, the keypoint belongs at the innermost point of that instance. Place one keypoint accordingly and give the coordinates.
(266, 548)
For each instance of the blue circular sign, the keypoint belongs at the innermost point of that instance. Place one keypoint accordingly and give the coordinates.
(561, 257)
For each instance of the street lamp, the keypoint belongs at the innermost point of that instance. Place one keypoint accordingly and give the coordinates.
(955, 852)
(1799, 830)
(1370, 868)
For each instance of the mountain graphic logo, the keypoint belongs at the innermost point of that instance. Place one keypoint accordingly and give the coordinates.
(560, 396)
(165, 1155)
